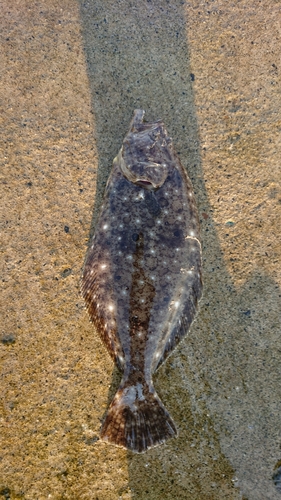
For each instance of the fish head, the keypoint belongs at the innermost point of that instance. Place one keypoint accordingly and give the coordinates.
(145, 156)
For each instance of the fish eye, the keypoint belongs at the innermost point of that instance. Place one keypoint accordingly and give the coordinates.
(144, 183)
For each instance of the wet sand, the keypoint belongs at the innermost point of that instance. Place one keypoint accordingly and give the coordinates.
(72, 74)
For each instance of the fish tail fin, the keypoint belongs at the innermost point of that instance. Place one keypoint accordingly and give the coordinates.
(137, 420)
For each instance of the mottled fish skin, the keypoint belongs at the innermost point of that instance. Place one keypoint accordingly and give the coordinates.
(142, 278)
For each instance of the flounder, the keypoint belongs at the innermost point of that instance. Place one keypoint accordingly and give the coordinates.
(142, 277)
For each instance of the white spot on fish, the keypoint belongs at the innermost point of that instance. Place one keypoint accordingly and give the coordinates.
(139, 392)
(105, 226)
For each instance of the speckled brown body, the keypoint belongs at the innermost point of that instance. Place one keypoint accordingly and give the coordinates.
(142, 277)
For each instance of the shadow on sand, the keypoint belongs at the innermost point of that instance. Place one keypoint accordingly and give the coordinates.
(137, 57)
